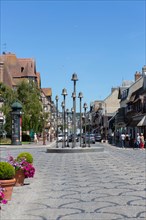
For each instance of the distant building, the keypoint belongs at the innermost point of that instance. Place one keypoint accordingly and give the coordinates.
(104, 110)
(13, 70)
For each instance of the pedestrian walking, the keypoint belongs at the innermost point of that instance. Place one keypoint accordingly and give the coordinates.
(138, 141)
(127, 139)
(123, 140)
(35, 138)
(142, 142)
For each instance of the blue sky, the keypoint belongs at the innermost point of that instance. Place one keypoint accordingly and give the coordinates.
(103, 42)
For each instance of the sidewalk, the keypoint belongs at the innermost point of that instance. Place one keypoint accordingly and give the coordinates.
(106, 185)
(30, 145)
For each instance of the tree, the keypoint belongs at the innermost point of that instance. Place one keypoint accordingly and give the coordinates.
(29, 95)
(8, 95)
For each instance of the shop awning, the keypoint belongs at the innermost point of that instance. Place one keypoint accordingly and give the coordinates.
(132, 123)
(142, 122)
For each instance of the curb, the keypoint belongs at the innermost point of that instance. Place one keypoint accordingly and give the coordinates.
(74, 150)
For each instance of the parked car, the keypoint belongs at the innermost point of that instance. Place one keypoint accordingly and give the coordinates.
(70, 138)
(89, 138)
(61, 138)
(98, 137)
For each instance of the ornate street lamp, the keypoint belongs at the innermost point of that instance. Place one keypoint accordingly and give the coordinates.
(74, 121)
(72, 111)
(89, 131)
(64, 93)
(56, 98)
(44, 133)
(63, 129)
(105, 122)
(80, 96)
(44, 124)
(67, 113)
(74, 79)
(85, 108)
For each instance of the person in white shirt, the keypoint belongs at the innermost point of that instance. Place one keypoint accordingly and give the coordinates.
(122, 140)
(138, 140)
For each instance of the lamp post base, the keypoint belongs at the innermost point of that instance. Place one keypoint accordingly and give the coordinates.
(84, 145)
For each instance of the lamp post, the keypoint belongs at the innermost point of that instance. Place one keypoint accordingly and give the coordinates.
(72, 111)
(105, 118)
(80, 96)
(74, 79)
(67, 113)
(89, 131)
(44, 124)
(85, 108)
(56, 98)
(1, 118)
(44, 138)
(63, 129)
(64, 93)
(73, 122)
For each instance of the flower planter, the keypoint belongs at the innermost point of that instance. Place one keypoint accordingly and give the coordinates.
(8, 186)
(19, 176)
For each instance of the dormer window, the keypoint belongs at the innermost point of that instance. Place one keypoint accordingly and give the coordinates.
(22, 69)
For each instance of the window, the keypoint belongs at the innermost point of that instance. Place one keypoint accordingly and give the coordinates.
(22, 69)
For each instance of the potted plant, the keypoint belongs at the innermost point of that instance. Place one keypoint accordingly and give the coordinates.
(23, 169)
(19, 172)
(26, 155)
(7, 180)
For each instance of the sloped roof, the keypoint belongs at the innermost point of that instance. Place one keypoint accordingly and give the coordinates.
(135, 87)
(17, 68)
(7, 78)
(29, 67)
(47, 91)
(127, 83)
(38, 79)
(142, 122)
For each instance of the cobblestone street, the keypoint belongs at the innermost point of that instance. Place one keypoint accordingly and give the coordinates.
(109, 185)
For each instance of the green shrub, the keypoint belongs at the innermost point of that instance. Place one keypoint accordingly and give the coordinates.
(25, 155)
(5, 141)
(7, 171)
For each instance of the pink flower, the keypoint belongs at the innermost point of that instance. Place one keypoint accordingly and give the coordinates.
(1, 195)
(4, 201)
(28, 168)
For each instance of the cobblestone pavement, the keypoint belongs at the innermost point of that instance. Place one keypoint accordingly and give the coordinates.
(109, 185)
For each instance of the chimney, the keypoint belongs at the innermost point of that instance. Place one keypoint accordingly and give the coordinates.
(144, 77)
(1, 71)
(137, 75)
(144, 70)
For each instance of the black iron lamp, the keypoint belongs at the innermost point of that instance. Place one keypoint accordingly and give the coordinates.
(63, 128)
(74, 79)
(85, 108)
(56, 98)
(64, 93)
(80, 96)
(72, 111)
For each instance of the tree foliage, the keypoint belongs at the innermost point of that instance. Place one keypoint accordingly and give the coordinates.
(28, 95)
(8, 96)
